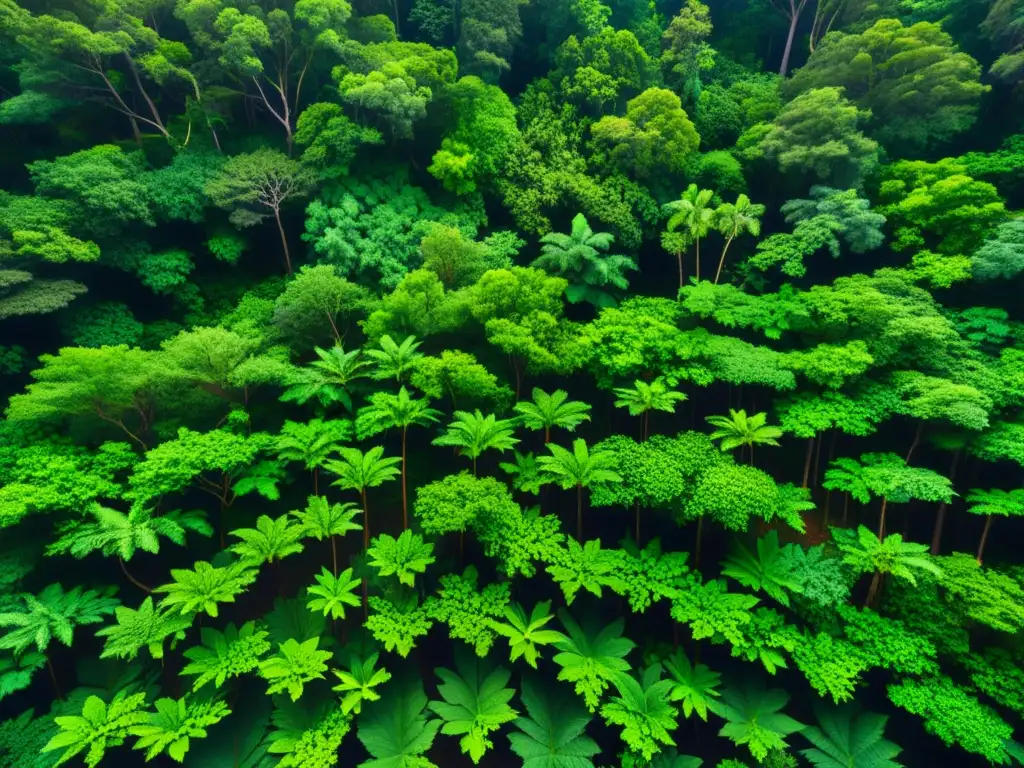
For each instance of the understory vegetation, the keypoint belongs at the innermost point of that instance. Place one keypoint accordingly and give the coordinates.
(541, 383)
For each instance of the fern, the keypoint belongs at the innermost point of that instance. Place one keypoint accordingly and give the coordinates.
(525, 634)
(261, 478)
(98, 728)
(403, 557)
(292, 619)
(465, 608)
(693, 684)
(331, 594)
(846, 737)
(203, 587)
(270, 540)
(399, 731)
(714, 612)
(358, 683)
(22, 739)
(587, 567)
(226, 654)
(753, 718)
(396, 625)
(53, 614)
(322, 520)
(553, 734)
(771, 570)
(16, 671)
(294, 665)
(174, 724)
(670, 758)
(115, 533)
(147, 627)
(591, 663)
(307, 738)
(476, 703)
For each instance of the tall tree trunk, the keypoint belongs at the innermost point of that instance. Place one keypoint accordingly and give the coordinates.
(366, 546)
(796, 8)
(698, 259)
(817, 464)
(721, 261)
(405, 502)
(881, 519)
(846, 507)
(284, 241)
(876, 582)
(807, 461)
(334, 556)
(940, 518)
(679, 260)
(984, 538)
(917, 440)
(547, 434)
(579, 513)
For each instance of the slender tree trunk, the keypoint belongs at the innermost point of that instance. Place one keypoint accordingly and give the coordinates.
(547, 434)
(984, 538)
(405, 502)
(284, 241)
(334, 556)
(334, 327)
(807, 461)
(881, 519)
(53, 679)
(721, 261)
(647, 425)
(940, 518)
(796, 8)
(917, 440)
(817, 464)
(366, 546)
(698, 259)
(876, 582)
(474, 466)
(846, 507)
(679, 261)
(579, 513)
(132, 579)
(398, 31)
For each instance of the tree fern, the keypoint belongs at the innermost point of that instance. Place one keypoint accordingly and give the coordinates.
(98, 728)
(114, 533)
(644, 711)
(262, 478)
(753, 718)
(403, 557)
(525, 472)
(394, 361)
(398, 731)
(270, 540)
(551, 735)
(526, 634)
(695, 685)
(321, 520)
(148, 627)
(174, 724)
(771, 570)
(475, 703)
(358, 683)
(592, 660)
(846, 738)
(552, 410)
(332, 593)
(53, 614)
(203, 587)
(474, 433)
(294, 665)
(226, 654)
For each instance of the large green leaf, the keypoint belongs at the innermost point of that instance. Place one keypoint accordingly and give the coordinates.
(552, 736)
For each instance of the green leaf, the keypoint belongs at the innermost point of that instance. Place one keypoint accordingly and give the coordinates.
(403, 557)
(174, 723)
(331, 593)
(294, 665)
(224, 655)
(358, 683)
(693, 684)
(846, 737)
(592, 660)
(552, 735)
(398, 731)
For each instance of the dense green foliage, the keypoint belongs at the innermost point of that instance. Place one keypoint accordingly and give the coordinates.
(554, 383)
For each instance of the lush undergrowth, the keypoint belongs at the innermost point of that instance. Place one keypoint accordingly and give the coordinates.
(543, 383)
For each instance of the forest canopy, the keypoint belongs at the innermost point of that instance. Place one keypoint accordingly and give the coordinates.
(541, 383)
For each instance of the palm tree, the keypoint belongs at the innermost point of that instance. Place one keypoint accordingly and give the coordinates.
(646, 397)
(737, 430)
(692, 213)
(113, 532)
(994, 502)
(311, 443)
(580, 258)
(579, 469)
(554, 410)
(322, 520)
(327, 379)
(393, 360)
(865, 553)
(358, 471)
(386, 411)
(474, 433)
(734, 219)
